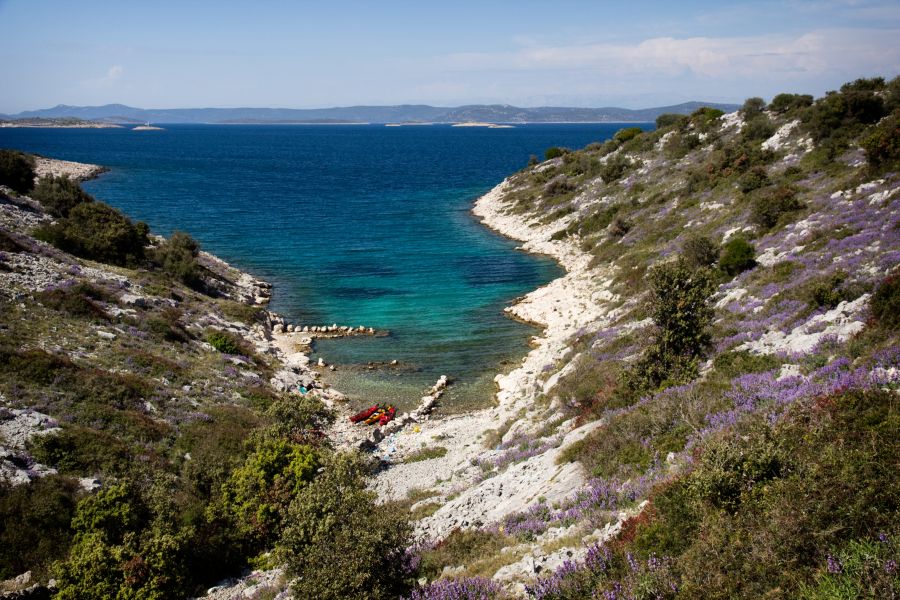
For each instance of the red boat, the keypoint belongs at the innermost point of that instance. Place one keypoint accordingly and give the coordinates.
(362, 416)
(387, 416)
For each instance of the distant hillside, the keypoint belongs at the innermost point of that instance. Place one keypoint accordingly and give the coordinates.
(119, 113)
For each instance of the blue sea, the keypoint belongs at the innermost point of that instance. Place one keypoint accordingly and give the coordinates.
(354, 225)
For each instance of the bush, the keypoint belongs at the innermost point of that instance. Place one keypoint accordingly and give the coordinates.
(35, 524)
(752, 108)
(699, 251)
(98, 232)
(177, 256)
(882, 144)
(59, 195)
(827, 291)
(77, 301)
(681, 313)
(885, 302)
(738, 255)
(615, 167)
(671, 120)
(16, 171)
(771, 208)
(558, 186)
(758, 128)
(258, 493)
(680, 144)
(626, 134)
(340, 543)
(704, 117)
(294, 416)
(226, 342)
(783, 103)
(555, 152)
(753, 179)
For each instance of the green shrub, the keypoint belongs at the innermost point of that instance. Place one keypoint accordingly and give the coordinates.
(258, 493)
(16, 171)
(461, 547)
(426, 454)
(98, 232)
(783, 103)
(827, 291)
(35, 524)
(78, 301)
(753, 179)
(704, 117)
(882, 144)
(770, 209)
(178, 257)
(699, 251)
(80, 451)
(596, 221)
(738, 255)
(558, 186)
(752, 108)
(555, 152)
(681, 312)
(885, 302)
(671, 120)
(758, 128)
(680, 144)
(59, 195)
(616, 167)
(339, 542)
(626, 134)
(226, 342)
(293, 416)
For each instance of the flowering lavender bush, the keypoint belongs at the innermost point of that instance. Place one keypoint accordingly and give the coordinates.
(472, 588)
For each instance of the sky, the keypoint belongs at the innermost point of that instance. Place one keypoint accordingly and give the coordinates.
(308, 54)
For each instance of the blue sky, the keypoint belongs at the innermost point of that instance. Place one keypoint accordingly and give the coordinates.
(301, 54)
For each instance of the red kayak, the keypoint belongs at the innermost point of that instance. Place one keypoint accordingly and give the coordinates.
(387, 416)
(362, 416)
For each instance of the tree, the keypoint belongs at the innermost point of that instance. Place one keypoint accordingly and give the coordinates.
(752, 107)
(738, 255)
(59, 195)
(699, 251)
(16, 171)
(339, 542)
(178, 257)
(681, 312)
(98, 232)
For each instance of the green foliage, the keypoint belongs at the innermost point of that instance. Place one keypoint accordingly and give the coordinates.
(339, 543)
(767, 504)
(885, 302)
(35, 524)
(671, 120)
(834, 119)
(616, 166)
(626, 134)
(753, 179)
(98, 232)
(16, 171)
(882, 144)
(784, 103)
(178, 257)
(291, 416)
(258, 492)
(426, 454)
(699, 251)
(679, 307)
(705, 117)
(680, 144)
(827, 291)
(738, 255)
(226, 342)
(596, 221)
(555, 152)
(860, 569)
(81, 451)
(558, 186)
(772, 208)
(59, 195)
(80, 300)
(757, 128)
(124, 548)
(752, 108)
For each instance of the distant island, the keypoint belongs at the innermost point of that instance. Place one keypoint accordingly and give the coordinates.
(59, 123)
(406, 114)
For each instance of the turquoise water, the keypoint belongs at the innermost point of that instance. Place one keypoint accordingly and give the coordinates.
(359, 225)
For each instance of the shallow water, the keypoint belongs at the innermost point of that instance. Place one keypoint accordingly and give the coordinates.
(358, 225)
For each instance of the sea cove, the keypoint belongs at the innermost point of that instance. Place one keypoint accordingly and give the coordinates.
(354, 225)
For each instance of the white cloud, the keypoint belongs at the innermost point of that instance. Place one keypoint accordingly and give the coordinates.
(815, 52)
(112, 75)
